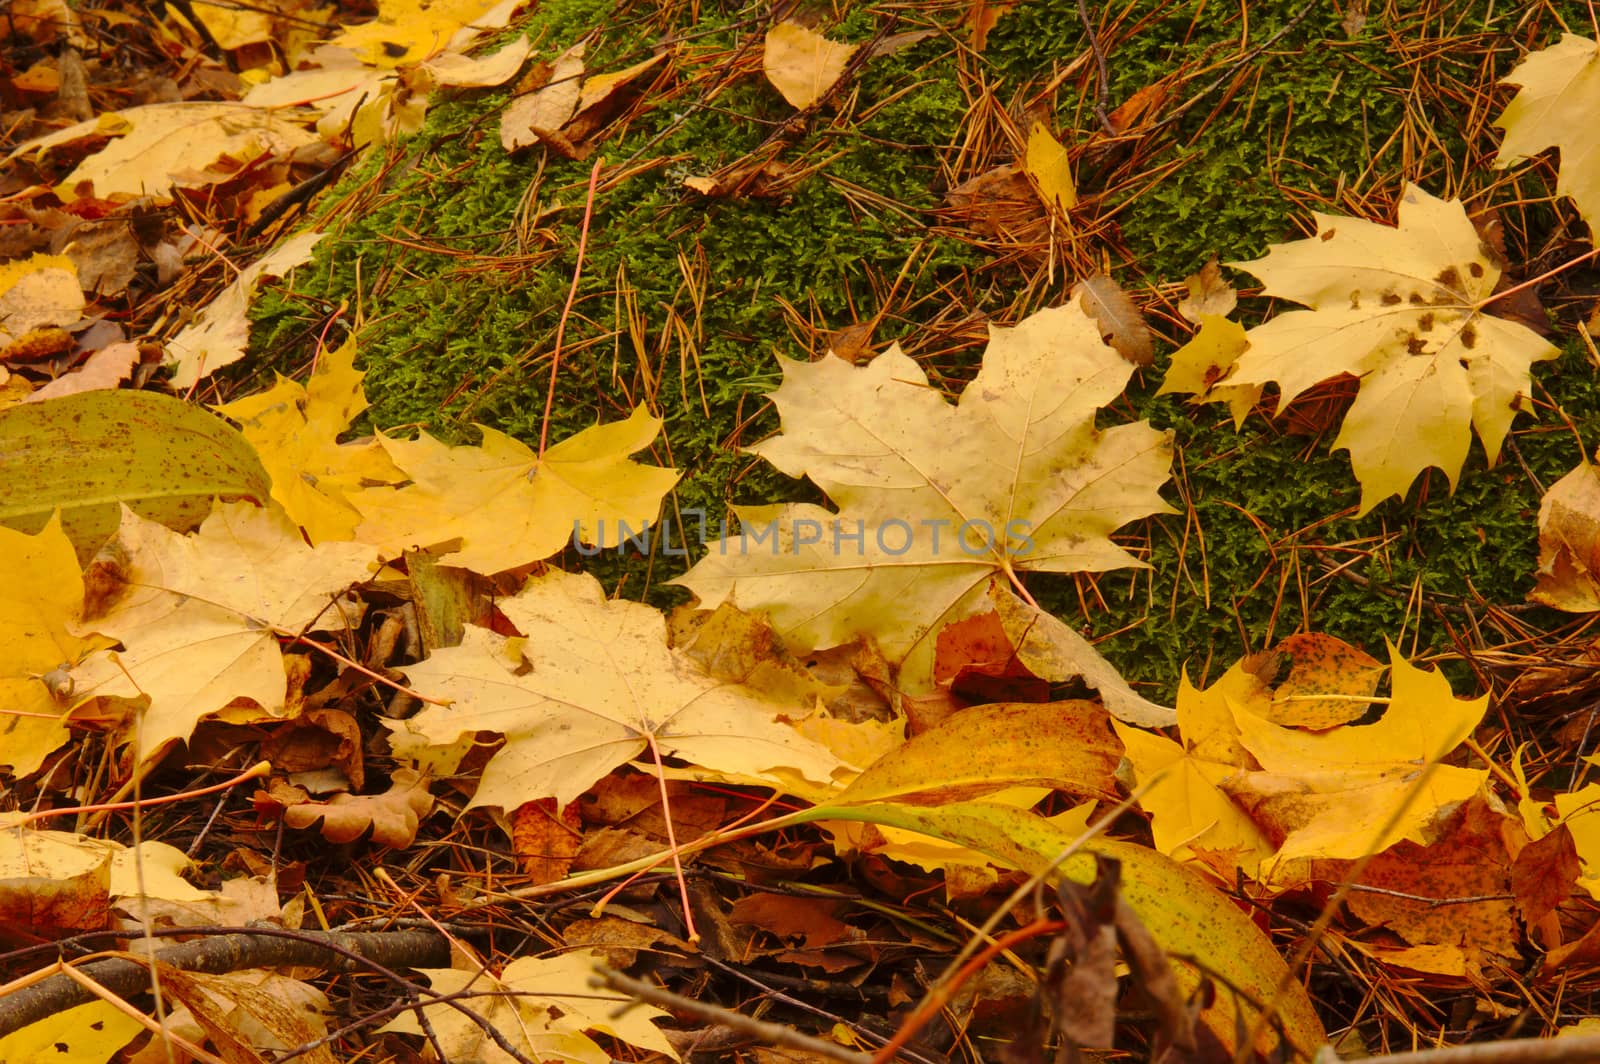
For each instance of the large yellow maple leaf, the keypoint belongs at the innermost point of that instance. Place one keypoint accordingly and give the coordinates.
(200, 615)
(934, 500)
(1402, 308)
(586, 688)
(510, 507)
(1560, 94)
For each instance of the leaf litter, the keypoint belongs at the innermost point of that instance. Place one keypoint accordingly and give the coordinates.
(1277, 775)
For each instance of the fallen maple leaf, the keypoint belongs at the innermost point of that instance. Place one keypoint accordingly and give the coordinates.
(510, 507)
(586, 688)
(157, 144)
(1403, 309)
(295, 429)
(1560, 92)
(934, 500)
(39, 603)
(1199, 367)
(200, 616)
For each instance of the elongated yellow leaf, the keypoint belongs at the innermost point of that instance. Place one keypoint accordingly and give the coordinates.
(87, 454)
(1193, 922)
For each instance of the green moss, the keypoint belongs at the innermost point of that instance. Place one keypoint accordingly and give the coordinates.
(463, 332)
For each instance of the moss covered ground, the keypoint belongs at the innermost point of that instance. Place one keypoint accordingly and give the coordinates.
(457, 258)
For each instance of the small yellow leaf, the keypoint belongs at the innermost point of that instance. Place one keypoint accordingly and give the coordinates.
(1048, 164)
(1201, 368)
(801, 63)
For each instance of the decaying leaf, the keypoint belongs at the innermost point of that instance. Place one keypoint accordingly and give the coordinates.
(1121, 320)
(1403, 309)
(1560, 91)
(538, 114)
(936, 500)
(1569, 543)
(39, 297)
(1208, 294)
(801, 63)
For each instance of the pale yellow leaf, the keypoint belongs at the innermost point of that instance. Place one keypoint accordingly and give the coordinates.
(39, 292)
(528, 117)
(1047, 163)
(801, 63)
(198, 618)
(599, 682)
(933, 499)
(1560, 94)
(157, 144)
(458, 71)
(1569, 543)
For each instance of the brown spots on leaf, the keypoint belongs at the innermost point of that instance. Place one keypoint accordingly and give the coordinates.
(1469, 336)
(1355, 300)
(1475, 268)
(1449, 277)
(1425, 321)
(1415, 345)
(1389, 298)
(1326, 235)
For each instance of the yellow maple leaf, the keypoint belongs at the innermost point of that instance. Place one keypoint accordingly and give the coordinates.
(1569, 542)
(933, 499)
(1199, 367)
(1191, 818)
(1560, 93)
(509, 507)
(1402, 309)
(1360, 788)
(295, 429)
(199, 617)
(409, 31)
(541, 1005)
(600, 681)
(39, 602)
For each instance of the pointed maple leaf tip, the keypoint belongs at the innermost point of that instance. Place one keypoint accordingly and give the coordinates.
(933, 499)
(1401, 308)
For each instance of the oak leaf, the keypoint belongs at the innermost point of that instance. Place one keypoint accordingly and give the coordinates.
(586, 688)
(1402, 308)
(933, 499)
(1560, 92)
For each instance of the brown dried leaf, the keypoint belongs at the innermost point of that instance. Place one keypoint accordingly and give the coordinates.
(1121, 321)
